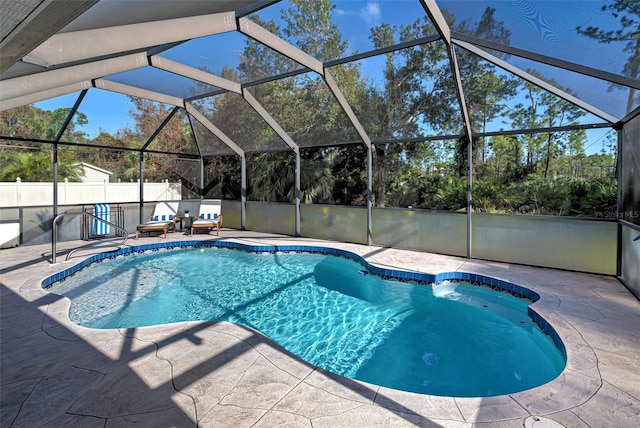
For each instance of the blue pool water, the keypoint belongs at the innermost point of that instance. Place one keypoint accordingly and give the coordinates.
(452, 340)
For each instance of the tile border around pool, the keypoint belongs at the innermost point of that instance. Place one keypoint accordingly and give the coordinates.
(392, 274)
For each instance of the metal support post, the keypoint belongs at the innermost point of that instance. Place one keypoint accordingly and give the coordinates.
(141, 207)
(369, 194)
(297, 194)
(469, 194)
(243, 193)
(55, 180)
(201, 185)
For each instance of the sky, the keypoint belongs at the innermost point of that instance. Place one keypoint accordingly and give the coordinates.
(547, 27)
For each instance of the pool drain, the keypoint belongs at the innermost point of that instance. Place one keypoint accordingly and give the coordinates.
(430, 358)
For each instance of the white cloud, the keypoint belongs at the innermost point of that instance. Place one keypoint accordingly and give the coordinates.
(370, 13)
(342, 12)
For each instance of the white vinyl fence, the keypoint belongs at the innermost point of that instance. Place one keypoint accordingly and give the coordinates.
(19, 194)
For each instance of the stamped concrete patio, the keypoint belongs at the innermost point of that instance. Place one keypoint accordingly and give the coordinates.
(208, 374)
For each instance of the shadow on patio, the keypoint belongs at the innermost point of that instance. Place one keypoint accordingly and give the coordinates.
(186, 374)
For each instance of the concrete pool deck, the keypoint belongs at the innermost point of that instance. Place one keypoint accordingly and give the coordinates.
(207, 374)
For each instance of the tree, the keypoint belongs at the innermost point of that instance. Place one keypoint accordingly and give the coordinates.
(258, 61)
(505, 159)
(432, 90)
(36, 163)
(273, 177)
(419, 97)
(391, 108)
(174, 137)
(485, 91)
(398, 106)
(222, 177)
(32, 122)
(237, 119)
(302, 105)
(309, 27)
(546, 110)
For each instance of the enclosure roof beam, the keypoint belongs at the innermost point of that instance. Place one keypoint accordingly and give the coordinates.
(81, 45)
(270, 150)
(255, 104)
(455, 69)
(281, 76)
(269, 39)
(157, 50)
(254, 7)
(555, 62)
(70, 115)
(632, 114)
(419, 139)
(331, 144)
(49, 17)
(96, 146)
(337, 93)
(536, 81)
(443, 29)
(384, 50)
(256, 32)
(194, 73)
(191, 109)
(137, 92)
(206, 95)
(328, 64)
(549, 129)
(44, 95)
(39, 82)
(195, 135)
(437, 19)
(160, 128)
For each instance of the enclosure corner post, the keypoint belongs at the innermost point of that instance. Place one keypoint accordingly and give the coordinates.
(297, 194)
(369, 194)
(243, 193)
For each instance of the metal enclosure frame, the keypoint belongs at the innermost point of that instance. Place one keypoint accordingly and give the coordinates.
(66, 66)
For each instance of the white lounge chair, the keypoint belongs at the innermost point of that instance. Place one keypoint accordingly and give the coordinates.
(210, 216)
(162, 219)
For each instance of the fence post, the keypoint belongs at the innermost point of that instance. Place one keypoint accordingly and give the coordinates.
(19, 191)
(66, 185)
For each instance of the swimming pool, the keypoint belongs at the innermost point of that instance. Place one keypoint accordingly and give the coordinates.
(333, 310)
